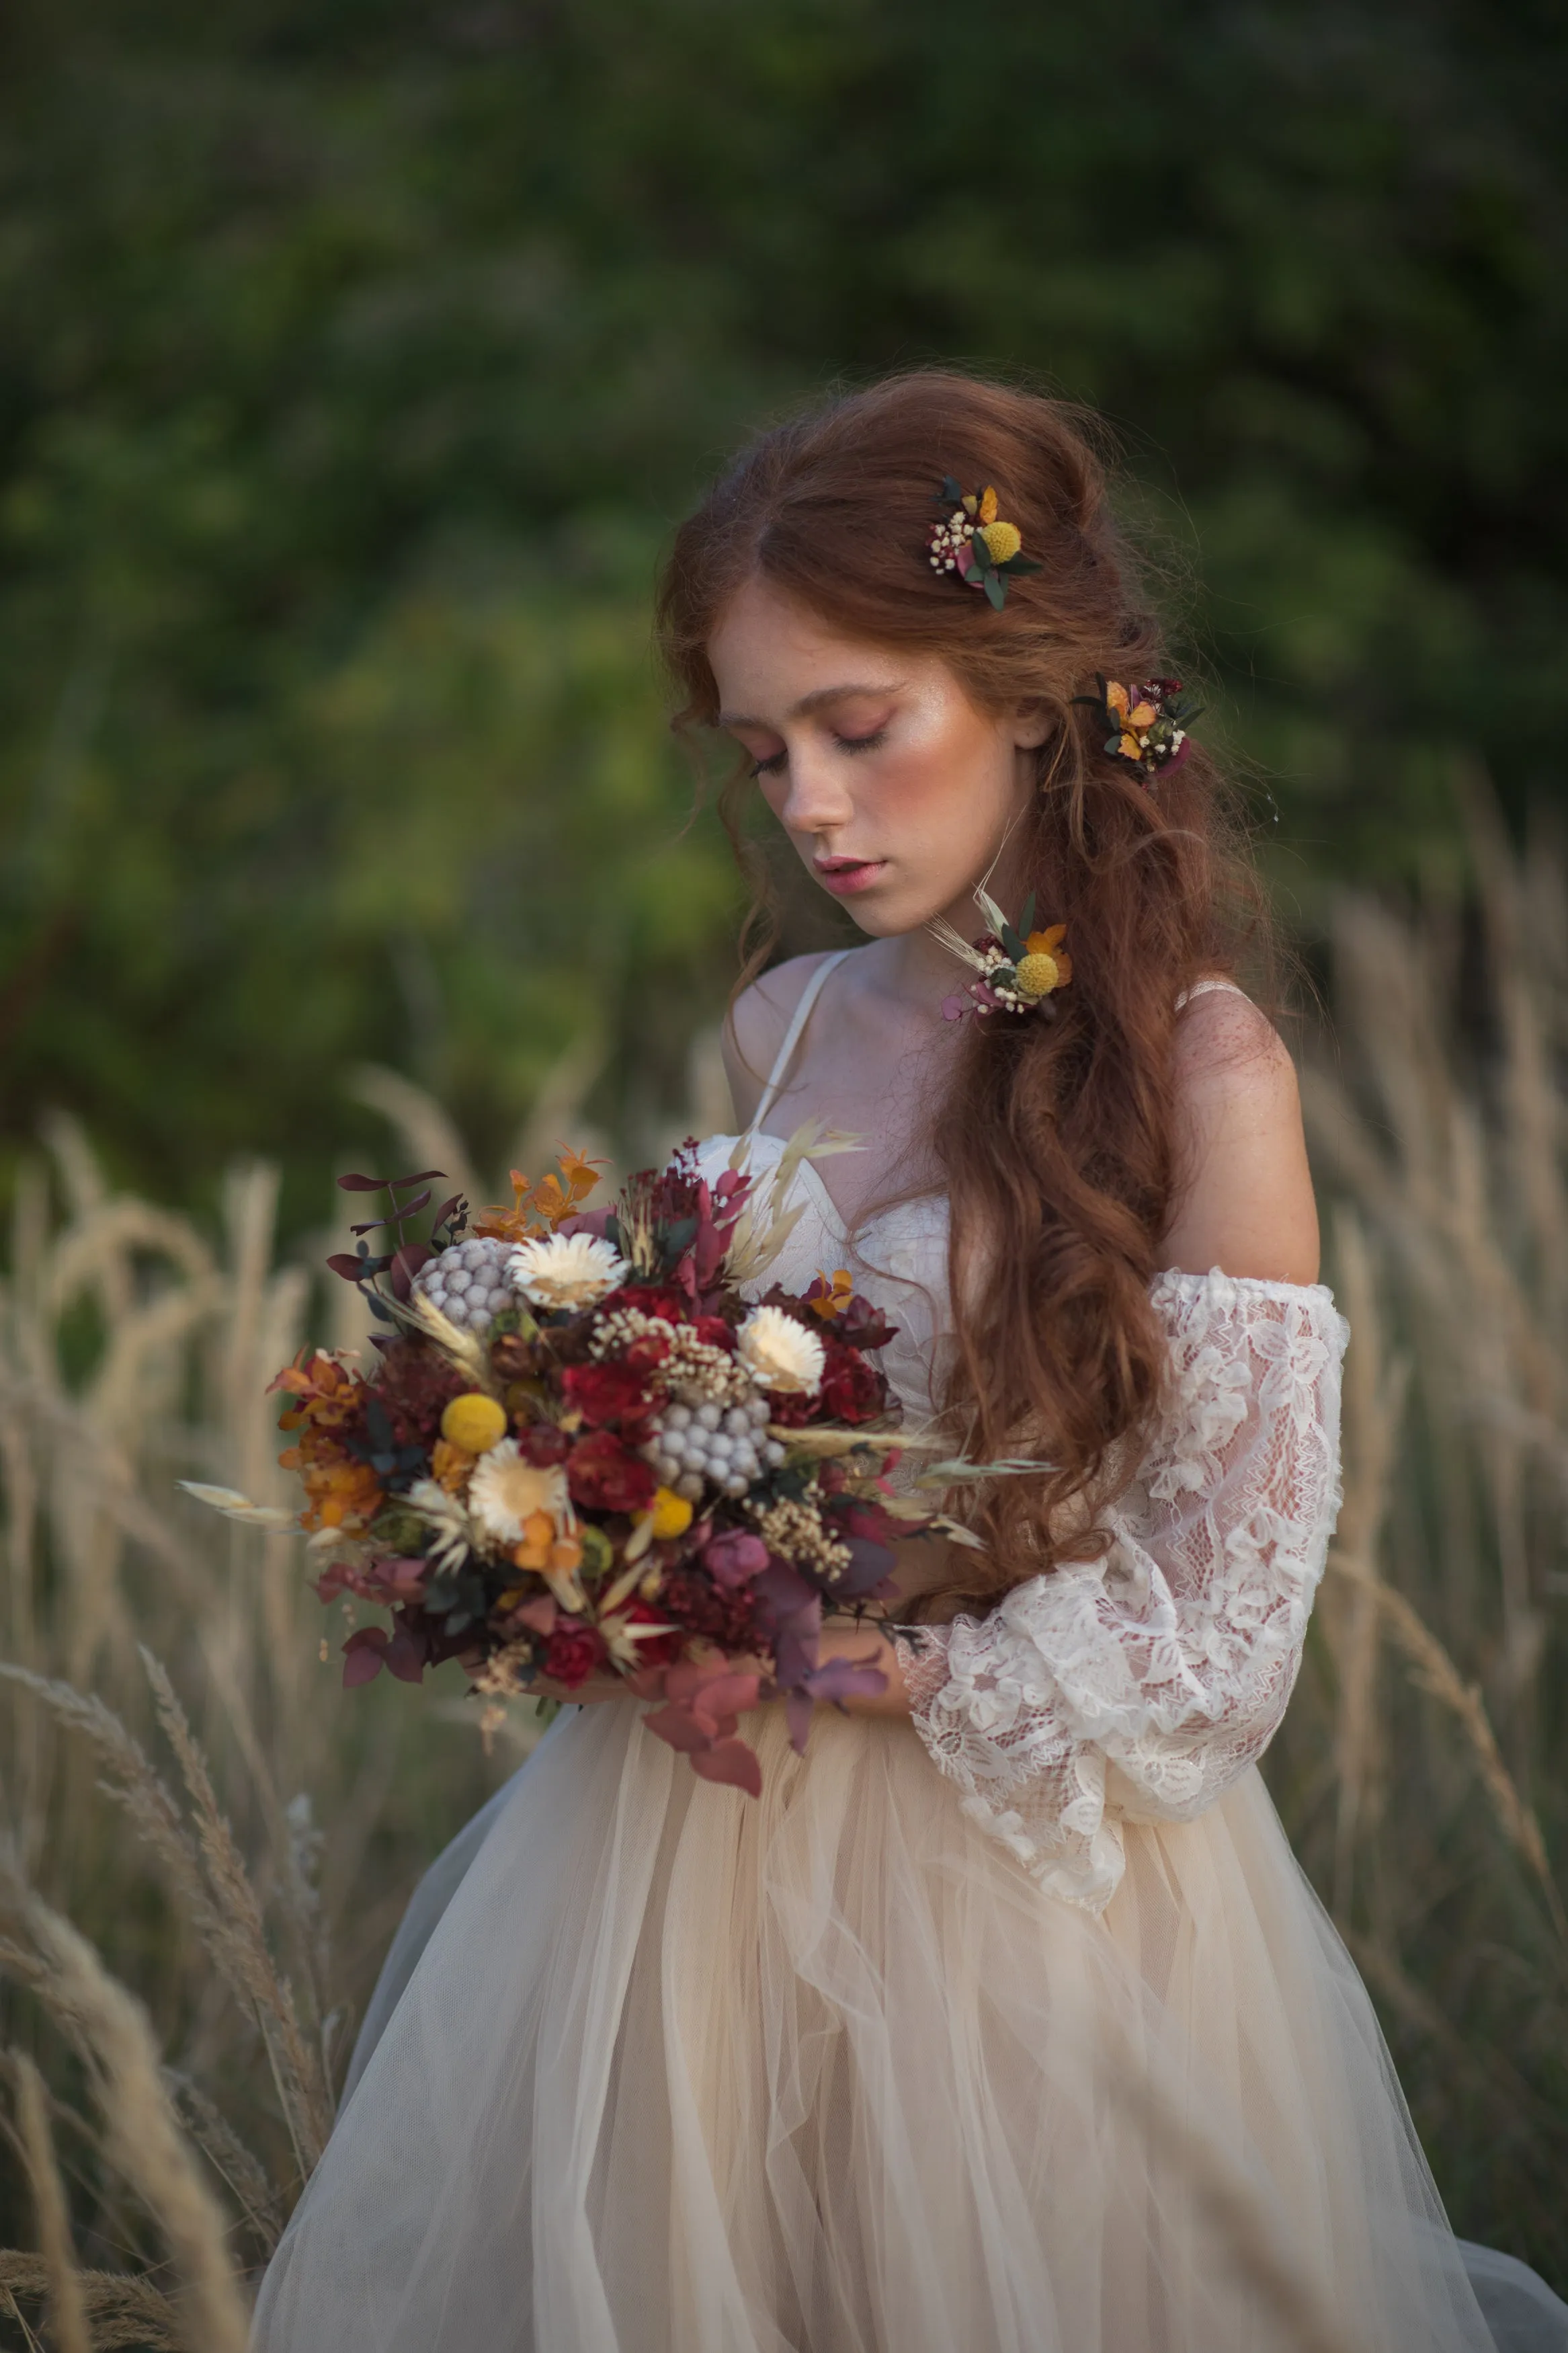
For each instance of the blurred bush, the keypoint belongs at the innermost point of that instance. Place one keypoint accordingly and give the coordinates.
(355, 359)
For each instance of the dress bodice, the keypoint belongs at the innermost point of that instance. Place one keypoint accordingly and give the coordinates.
(897, 1256)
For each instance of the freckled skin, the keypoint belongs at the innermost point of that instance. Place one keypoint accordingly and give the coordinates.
(868, 754)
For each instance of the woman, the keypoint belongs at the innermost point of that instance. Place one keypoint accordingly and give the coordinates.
(1004, 2019)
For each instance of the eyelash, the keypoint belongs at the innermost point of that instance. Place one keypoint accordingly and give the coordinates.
(850, 743)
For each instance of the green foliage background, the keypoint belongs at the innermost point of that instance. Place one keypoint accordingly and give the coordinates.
(357, 357)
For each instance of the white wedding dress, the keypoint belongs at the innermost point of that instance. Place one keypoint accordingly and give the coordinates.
(1014, 2028)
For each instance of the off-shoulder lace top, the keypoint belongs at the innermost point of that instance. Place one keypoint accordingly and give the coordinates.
(1143, 1684)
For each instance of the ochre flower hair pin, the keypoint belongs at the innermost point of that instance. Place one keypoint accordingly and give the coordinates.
(1145, 726)
(970, 540)
(1015, 971)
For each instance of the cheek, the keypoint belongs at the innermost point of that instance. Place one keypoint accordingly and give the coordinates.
(948, 786)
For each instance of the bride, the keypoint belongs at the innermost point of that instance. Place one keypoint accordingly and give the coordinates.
(1004, 2021)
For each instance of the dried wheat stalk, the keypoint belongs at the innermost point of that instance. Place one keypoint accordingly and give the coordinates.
(242, 1939)
(1434, 1672)
(124, 2310)
(51, 2208)
(142, 2134)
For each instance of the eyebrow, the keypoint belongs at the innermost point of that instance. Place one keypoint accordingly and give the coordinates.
(810, 702)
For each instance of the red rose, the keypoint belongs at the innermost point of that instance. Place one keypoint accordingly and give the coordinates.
(604, 1394)
(852, 1389)
(658, 1650)
(648, 1298)
(714, 1330)
(790, 1407)
(604, 1475)
(541, 1444)
(572, 1654)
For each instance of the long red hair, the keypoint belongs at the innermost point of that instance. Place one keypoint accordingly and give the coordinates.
(1055, 1140)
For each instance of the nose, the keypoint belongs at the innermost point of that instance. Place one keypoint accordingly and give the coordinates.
(816, 800)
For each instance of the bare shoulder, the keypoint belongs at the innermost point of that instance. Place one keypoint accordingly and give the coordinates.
(754, 1029)
(1244, 1190)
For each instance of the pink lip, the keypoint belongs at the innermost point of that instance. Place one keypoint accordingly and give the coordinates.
(845, 876)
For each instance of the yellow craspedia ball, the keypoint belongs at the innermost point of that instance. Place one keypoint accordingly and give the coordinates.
(1038, 973)
(671, 1513)
(1003, 540)
(474, 1422)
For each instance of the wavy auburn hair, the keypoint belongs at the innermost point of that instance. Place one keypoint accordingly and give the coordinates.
(1055, 1139)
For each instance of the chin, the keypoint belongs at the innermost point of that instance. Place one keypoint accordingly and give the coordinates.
(888, 922)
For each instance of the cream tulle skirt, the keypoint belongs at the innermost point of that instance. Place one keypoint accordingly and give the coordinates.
(658, 2068)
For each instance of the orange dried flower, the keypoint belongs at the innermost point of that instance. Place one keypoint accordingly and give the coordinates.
(555, 1196)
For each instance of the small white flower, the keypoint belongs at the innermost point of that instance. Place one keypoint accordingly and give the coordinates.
(505, 1492)
(570, 1271)
(781, 1353)
(445, 1514)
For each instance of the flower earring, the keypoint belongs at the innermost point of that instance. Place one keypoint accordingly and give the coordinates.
(1015, 971)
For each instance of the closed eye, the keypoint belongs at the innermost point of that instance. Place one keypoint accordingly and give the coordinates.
(851, 744)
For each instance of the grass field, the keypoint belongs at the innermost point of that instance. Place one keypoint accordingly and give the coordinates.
(208, 1845)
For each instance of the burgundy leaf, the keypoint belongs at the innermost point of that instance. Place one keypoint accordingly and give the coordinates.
(405, 1264)
(345, 1263)
(364, 1655)
(838, 1680)
(731, 1761)
(680, 1727)
(354, 1183)
(406, 1655)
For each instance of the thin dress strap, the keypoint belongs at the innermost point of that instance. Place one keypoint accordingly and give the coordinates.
(1202, 988)
(801, 1016)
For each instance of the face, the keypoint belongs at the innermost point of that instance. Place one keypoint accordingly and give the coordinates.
(895, 790)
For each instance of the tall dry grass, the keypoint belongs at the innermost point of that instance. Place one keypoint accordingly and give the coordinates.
(1424, 1765)
(189, 1797)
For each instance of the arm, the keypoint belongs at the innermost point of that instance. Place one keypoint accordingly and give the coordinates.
(1145, 1683)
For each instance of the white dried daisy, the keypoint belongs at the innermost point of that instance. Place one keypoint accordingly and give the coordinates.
(506, 1490)
(781, 1353)
(445, 1514)
(569, 1270)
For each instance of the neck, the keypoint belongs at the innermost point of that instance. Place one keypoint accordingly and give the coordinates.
(918, 967)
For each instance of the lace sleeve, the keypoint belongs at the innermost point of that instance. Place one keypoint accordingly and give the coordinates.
(1145, 1683)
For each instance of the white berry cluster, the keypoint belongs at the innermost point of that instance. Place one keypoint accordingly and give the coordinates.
(947, 538)
(694, 1369)
(799, 1531)
(706, 1442)
(1012, 999)
(470, 1284)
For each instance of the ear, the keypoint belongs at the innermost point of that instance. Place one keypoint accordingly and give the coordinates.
(1032, 724)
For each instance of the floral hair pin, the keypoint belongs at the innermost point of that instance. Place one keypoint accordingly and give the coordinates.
(970, 539)
(1145, 726)
(1015, 971)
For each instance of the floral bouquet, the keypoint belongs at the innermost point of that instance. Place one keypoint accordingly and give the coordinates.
(581, 1450)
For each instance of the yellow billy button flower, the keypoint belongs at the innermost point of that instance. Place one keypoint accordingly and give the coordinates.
(1003, 540)
(1048, 965)
(474, 1422)
(671, 1513)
